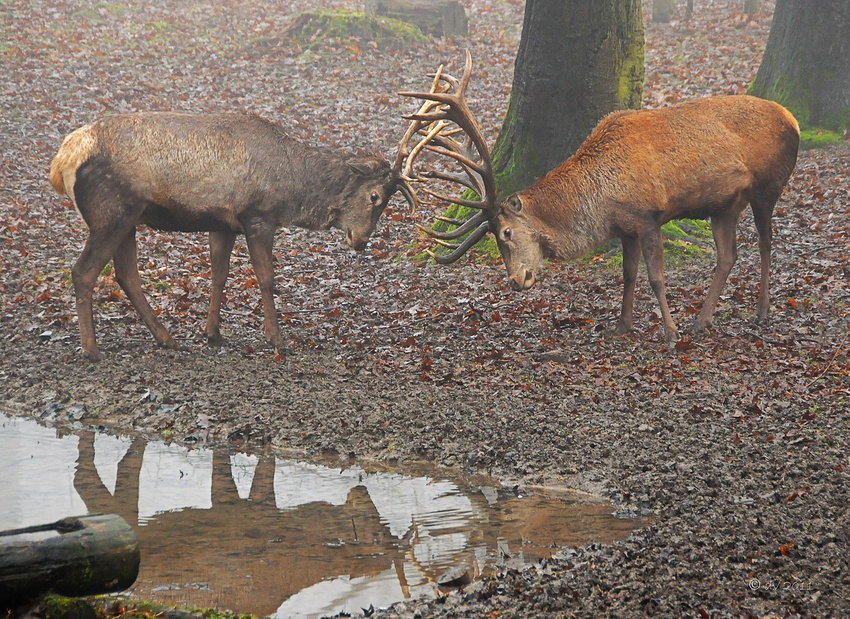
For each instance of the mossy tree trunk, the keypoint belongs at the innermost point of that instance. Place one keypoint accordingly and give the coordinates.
(806, 64)
(662, 10)
(578, 60)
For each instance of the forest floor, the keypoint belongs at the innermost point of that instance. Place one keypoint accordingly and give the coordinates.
(736, 441)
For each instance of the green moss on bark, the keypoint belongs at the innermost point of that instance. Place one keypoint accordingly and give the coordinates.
(790, 92)
(632, 67)
(798, 95)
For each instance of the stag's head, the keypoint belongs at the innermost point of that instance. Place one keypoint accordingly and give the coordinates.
(371, 185)
(518, 241)
(446, 127)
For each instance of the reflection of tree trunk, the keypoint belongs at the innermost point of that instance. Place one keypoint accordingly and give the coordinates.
(662, 10)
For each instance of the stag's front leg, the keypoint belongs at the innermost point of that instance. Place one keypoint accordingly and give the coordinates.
(260, 239)
(221, 246)
(763, 214)
(631, 261)
(653, 256)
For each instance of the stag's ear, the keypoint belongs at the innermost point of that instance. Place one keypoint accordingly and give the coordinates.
(514, 203)
(368, 167)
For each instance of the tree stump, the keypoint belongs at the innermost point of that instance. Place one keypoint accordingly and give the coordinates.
(662, 10)
(751, 6)
(437, 17)
(76, 556)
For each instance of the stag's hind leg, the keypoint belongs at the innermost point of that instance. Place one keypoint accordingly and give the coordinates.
(763, 214)
(100, 247)
(221, 246)
(653, 255)
(127, 274)
(723, 226)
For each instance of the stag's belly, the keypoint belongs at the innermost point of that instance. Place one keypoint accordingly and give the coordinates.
(179, 218)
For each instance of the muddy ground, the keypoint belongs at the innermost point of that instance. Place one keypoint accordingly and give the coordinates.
(736, 441)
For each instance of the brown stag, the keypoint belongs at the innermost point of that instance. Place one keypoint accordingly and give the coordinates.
(227, 174)
(636, 171)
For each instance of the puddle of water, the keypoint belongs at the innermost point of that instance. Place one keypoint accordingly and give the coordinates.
(258, 533)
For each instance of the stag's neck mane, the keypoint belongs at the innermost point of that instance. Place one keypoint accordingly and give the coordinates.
(326, 190)
(565, 204)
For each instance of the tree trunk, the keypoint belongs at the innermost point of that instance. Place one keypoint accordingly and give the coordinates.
(805, 65)
(662, 10)
(73, 557)
(577, 61)
(689, 10)
(751, 6)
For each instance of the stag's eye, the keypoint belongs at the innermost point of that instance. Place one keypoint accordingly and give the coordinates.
(506, 234)
(375, 197)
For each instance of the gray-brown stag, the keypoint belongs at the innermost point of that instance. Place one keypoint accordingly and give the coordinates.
(227, 174)
(637, 170)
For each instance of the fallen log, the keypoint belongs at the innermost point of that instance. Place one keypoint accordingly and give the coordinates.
(75, 556)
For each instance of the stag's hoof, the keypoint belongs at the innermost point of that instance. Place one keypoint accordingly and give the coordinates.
(671, 338)
(92, 355)
(759, 319)
(170, 344)
(215, 340)
(701, 325)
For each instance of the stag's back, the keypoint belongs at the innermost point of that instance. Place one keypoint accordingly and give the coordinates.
(197, 166)
(685, 160)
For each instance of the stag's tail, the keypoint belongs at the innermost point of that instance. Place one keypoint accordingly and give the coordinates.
(76, 148)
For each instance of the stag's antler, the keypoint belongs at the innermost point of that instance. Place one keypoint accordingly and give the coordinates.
(404, 171)
(445, 114)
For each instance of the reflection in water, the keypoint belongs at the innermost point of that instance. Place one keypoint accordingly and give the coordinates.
(262, 534)
(173, 478)
(37, 479)
(242, 468)
(108, 452)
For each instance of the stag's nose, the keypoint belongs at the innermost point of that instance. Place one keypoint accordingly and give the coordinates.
(522, 281)
(355, 244)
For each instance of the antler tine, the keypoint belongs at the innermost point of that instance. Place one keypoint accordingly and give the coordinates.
(417, 124)
(461, 248)
(463, 153)
(463, 227)
(402, 173)
(452, 178)
(435, 129)
(442, 115)
(476, 204)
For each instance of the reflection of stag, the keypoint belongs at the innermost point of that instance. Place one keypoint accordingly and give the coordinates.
(301, 525)
(242, 537)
